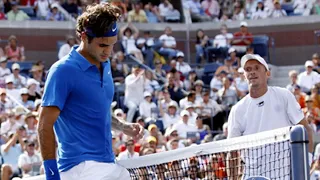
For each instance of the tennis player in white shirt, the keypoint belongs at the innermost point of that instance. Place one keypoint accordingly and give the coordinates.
(264, 108)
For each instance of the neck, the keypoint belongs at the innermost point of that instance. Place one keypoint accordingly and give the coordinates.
(257, 92)
(83, 51)
(30, 153)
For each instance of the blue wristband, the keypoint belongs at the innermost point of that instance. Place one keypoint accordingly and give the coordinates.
(51, 169)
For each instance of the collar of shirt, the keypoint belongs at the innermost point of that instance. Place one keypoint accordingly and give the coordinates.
(82, 61)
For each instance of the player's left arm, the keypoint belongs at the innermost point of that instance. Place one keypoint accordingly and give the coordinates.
(131, 129)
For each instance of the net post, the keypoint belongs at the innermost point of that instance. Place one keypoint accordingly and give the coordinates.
(299, 153)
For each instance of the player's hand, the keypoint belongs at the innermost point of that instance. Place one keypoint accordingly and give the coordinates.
(134, 130)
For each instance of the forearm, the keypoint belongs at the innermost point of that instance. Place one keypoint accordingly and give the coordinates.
(46, 141)
(310, 137)
(117, 124)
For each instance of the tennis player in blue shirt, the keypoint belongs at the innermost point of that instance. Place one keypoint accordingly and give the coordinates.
(76, 103)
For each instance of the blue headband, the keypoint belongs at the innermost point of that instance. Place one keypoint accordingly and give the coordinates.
(112, 32)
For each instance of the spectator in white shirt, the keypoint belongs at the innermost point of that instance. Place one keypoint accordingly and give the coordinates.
(216, 84)
(29, 162)
(43, 8)
(241, 84)
(196, 11)
(277, 12)
(308, 78)
(190, 107)
(167, 12)
(65, 48)
(171, 116)
(251, 7)
(11, 91)
(293, 75)
(168, 44)
(4, 71)
(198, 87)
(211, 8)
(260, 11)
(18, 80)
(5, 103)
(129, 153)
(24, 93)
(189, 99)
(10, 125)
(182, 66)
(183, 126)
(228, 94)
(147, 105)
(134, 88)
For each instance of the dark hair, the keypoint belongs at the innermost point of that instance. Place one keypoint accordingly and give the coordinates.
(99, 18)
(262, 8)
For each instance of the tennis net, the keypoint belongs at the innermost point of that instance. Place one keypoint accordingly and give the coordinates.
(268, 154)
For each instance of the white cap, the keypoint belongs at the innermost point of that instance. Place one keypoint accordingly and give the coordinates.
(9, 80)
(257, 57)
(118, 111)
(180, 54)
(141, 41)
(240, 70)
(3, 59)
(146, 94)
(309, 63)
(32, 81)
(24, 91)
(189, 105)
(15, 66)
(37, 102)
(173, 104)
(243, 23)
(231, 50)
(184, 113)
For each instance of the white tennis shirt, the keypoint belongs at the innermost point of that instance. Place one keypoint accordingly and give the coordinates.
(277, 108)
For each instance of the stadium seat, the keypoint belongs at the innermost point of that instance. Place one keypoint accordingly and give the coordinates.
(288, 7)
(210, 68)
(260, 45)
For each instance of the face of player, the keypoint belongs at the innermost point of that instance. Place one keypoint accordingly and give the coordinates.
(99, 50)
(256, 74)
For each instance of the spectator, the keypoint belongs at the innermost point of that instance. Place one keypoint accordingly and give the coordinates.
(134, 91)
(168, 44)
(154, 132)
(4, 71)
(311, 112)
(129, 34)
(202, 42)
(13, 51)
(174, 87)
(216, 84)
(10, 153)
(71, 7)
(211, 8)
(137, 14)
(37, 73)
(24, 99)
(2, 14)
(238, 13)
(10, 89)
(183, 126)
(308, 78)
(121, 66)
(260, 12)
(316, 62)
(31, 126)
(277, 12)
(196, 11)
(32, 86)
(123, 8)
(315, 96)
(203, 129)
(18, 80)
(223, 135)
(65, 48)
(129, 153)
(182, 66)
(167, 12)
(164, 100)
(5, 103)
(42, 8)
(241, 84)
(242, 38)
(251, 6)
(228, 94)
(16, 15)
(152, 13)
(189, 99)
(118, 76)
(293, 75)
(151, 85)
(146, 106)
(300, 96)
(29, 162)
(54, 14)
(170, 116)
(221, 43)
(190, 80)
(10, 125)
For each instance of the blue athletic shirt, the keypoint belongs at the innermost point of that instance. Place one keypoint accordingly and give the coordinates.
(83, 128)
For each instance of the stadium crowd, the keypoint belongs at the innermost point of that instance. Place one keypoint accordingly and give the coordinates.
(155, 11)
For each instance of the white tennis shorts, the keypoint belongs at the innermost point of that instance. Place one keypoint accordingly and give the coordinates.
(90, 170)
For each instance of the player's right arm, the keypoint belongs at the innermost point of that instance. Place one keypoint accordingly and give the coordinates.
(48, 116)
(58, 86)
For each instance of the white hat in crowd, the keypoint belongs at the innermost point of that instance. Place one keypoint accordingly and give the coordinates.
(184, 113)
(308, 63)
(15, 66)
(24, 91)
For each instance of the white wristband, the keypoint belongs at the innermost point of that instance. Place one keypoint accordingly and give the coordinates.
(310, 158)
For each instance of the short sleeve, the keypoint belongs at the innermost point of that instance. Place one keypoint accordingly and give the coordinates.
(233, 125)
(293, 108)
(58, 86)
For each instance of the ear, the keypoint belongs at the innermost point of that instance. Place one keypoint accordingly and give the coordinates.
(268, 74)
(83, 36)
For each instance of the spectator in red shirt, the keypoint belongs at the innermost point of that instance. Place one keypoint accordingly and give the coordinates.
(242, 39)
(2, 15)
